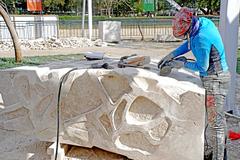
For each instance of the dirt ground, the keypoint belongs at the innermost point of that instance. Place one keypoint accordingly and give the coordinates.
(153, 49)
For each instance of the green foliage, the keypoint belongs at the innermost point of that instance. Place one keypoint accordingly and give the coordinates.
(206, 6)
(163, 5)
(123, 7)
(11, 5)
(120, 7)
(187, 3)
(209, 6)
(54, 4)
(37, 60)
(138, 7)
(98, 18)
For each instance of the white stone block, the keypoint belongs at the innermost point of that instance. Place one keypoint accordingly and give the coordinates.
(110, 31)
(128, 111)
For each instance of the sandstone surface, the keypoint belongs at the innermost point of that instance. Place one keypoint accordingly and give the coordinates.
(128, 111)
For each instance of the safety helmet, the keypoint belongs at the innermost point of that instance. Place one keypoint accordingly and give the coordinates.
(182, 22)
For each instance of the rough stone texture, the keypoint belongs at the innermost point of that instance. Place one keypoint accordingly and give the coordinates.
(132, 112)
(109, 31)
(53, 43)
(81, 153)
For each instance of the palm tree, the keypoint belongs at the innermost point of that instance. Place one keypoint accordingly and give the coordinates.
(13, 33)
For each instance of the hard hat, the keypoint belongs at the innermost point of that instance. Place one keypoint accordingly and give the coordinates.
(182, 22)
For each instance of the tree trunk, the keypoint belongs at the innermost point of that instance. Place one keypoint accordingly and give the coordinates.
(209, 7)
(14, 7)
(13, 33)
(203, 10)
(109, 12)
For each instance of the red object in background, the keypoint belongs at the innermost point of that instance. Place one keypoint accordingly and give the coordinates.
(233, 135)
(34, 5)
(210, 101)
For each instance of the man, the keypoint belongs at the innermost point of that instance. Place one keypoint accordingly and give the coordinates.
(205, 42)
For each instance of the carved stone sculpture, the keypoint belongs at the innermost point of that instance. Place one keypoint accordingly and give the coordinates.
(128, 111)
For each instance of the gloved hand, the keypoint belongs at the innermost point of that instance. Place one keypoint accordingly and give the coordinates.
(178, 62)
(182, 58)
(165, 59)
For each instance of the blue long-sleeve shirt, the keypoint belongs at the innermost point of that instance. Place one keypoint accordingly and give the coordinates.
(207, 47)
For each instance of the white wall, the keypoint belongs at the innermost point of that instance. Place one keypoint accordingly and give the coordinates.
(31, 27)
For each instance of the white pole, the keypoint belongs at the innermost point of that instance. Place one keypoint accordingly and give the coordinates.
(229, 26)
(90, 18)
(174, 4)
(83, 17)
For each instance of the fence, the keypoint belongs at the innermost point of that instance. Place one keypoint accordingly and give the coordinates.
(133, 28)
(30, 27)
(30, 30)
(130, 29)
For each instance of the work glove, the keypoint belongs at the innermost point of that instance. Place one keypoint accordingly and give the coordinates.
(178, 62)
(165, 59)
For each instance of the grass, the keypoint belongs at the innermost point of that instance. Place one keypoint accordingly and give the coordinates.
(238, 62)
(37, 60)
(80, 18)
(113, 18)
(101, 18)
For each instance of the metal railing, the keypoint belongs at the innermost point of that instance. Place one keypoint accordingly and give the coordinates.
(30, 30)
(133, 29)
(130, 29)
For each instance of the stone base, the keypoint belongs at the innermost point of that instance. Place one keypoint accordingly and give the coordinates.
(110, 31)
(128, 111)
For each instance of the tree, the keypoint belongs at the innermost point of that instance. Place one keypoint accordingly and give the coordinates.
(13, 33)
(163, 5)
(108, 5)
(123, 8)
(209, 6)
(71, 6)
(138, 7)
(206, 6)
(187, 3)
(10, 5)
(54, 5)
